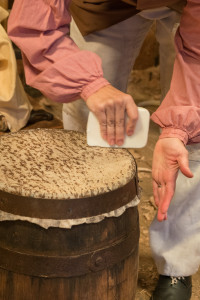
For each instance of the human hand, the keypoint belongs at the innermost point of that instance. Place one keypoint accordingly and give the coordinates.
(109, 105)
(170, 155)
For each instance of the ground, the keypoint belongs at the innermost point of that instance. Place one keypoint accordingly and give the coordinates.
(144, 87)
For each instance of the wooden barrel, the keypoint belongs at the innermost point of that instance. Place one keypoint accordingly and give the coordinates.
(69, 226)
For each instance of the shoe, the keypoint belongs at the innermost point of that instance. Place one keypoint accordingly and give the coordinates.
(39, 115)
(3, 124)
(173, 288)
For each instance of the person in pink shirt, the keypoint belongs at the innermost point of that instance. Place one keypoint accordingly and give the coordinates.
(176, 161)
(56, 66)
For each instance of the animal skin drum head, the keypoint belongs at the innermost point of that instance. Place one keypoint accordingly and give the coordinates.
(55, 163)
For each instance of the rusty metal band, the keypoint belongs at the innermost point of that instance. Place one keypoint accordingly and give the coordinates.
(60, 209)
(69, 266)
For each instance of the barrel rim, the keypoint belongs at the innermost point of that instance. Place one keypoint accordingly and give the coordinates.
(62, 209)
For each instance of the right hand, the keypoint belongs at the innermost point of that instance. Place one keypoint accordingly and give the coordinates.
(110, 105)
(170, 155)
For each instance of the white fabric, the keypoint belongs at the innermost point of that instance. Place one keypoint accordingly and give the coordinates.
(14, 104)
(68, 223)
(118, 46)
(175, 243)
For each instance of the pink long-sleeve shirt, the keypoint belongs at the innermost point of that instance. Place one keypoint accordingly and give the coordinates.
(179, 113)
(55, 65)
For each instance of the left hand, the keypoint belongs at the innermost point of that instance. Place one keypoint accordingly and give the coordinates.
(110, 106)
(170, 155)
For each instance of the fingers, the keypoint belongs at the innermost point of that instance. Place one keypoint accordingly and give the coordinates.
(132, 112)
(155, 193)
(120, 124)
(123, 107)
(163, 194)
(170, 155)
(110, 122)
(166, 195)
(102, 122)
(159, 196)
(159, 193)
(110, 107)
(184, 165)
(161, 217)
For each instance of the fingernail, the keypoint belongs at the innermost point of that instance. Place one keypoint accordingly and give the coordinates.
(120, 142)
(130, 132)
(112, 142)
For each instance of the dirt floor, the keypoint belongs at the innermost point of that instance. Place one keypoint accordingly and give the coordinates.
(144, 87)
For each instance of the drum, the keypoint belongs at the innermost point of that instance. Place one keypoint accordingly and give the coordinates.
(68, 218)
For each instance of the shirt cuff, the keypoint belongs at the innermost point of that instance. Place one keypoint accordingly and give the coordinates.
(169, 132)
(93, 87)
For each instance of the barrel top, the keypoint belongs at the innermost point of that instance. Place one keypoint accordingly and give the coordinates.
(58, 164)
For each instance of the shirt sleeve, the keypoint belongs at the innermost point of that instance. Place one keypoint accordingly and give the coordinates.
(179, 113)
(53, 63)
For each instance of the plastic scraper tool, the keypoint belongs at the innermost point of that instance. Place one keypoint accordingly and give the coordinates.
(137, 140)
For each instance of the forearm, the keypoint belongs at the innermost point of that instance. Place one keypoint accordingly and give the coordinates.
(179, 114)
(53, 63)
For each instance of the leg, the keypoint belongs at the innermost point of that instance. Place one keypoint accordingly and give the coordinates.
(181, 230)
(175, 242)
(165, 31)
(118, 47)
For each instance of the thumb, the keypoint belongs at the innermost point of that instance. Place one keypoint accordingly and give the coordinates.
(184, 166)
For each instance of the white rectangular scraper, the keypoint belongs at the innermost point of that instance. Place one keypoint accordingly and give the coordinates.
(137, 140)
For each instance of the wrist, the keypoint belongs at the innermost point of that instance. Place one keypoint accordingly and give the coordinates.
(93, 87)
(169, 132)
